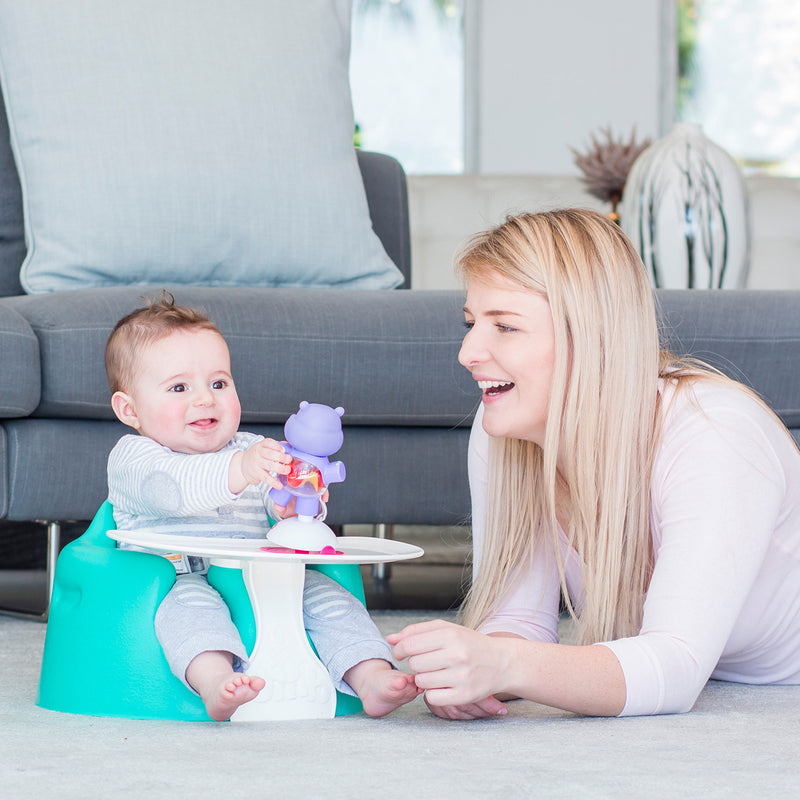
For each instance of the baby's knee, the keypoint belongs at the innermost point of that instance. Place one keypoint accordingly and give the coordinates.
(324, 599)
(193, 591)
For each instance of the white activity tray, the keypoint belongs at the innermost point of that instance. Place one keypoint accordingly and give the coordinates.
(353, 549)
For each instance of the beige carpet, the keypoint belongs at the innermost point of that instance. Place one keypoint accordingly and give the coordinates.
(739, 742)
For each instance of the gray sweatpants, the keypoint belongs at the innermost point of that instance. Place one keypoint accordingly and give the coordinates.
(193, 618)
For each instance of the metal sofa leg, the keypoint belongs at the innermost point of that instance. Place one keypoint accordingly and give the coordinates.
(382, 572)
(53, 549)
(24, 611)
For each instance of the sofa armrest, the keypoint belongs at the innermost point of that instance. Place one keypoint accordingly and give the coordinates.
(20, 388)
(387, 197)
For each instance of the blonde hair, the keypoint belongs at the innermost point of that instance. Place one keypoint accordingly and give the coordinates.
(141, 328)
(603, 416)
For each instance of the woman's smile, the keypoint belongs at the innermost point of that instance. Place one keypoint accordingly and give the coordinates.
(492, 388)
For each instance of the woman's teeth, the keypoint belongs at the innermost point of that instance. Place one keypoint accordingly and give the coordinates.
(494, 387)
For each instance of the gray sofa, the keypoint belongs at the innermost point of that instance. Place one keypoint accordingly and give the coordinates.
(388, 357)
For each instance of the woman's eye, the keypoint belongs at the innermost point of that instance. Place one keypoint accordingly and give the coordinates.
(504, 328)
(469, 324)
(219, 384)
(178, 387)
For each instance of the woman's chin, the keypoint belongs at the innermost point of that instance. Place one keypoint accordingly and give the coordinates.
(501, 426)
(495, 426)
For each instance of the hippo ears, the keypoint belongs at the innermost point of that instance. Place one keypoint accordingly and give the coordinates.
(339, 410)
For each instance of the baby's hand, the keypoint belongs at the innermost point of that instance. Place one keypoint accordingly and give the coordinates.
(258, 463)
(288, 510)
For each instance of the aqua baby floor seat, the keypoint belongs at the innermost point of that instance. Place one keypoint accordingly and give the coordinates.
(101, 655)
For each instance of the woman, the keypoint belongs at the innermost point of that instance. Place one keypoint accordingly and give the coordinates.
(657, 498)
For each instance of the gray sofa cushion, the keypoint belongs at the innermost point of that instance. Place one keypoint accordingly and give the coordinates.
(12, 236)
(399, 475)
(19, 383)
(388, 357)
(5, 482)
(753, 336)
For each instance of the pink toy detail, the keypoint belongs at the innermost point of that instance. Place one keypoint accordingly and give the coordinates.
(326, 551)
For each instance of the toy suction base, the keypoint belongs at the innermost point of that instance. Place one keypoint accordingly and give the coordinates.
(302, 533)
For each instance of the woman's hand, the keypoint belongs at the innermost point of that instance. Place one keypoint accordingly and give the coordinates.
(490, 707)
(459, 669)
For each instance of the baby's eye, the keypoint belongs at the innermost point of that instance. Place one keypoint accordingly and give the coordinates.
(178, 387)
(220, 384)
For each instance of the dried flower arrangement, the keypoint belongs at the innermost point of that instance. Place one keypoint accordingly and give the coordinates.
(606, 165)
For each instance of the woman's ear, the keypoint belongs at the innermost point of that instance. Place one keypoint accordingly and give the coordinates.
(124, 409)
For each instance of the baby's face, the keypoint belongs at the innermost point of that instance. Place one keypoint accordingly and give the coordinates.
(183, 394)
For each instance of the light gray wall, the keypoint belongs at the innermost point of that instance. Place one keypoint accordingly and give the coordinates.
(544, 75)
(446, 210)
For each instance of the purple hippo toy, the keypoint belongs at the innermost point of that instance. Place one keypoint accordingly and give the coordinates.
(312, 434)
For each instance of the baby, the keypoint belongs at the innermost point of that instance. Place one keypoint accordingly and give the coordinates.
(190, 471)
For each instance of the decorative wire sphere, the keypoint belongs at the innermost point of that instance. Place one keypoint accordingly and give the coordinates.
(685, 208)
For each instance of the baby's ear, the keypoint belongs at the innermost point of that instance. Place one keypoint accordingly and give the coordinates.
(123, 407)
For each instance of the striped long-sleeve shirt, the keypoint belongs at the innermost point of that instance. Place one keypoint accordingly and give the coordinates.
(153, 487)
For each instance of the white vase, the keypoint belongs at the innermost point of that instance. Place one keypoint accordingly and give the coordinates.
(685, 209)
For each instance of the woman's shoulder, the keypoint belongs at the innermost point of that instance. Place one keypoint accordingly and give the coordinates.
(706, 411)
(708, 398)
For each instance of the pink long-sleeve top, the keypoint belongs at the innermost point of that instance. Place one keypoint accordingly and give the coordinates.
(724, 598)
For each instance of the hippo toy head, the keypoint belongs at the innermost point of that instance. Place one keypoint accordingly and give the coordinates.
(315, 429)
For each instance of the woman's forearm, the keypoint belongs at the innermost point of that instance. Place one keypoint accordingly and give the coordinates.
(457, 666)
(582, 679)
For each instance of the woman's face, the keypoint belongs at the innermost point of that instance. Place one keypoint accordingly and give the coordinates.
(509, 349)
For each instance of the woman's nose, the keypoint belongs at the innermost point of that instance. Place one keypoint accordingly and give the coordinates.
(471, 352)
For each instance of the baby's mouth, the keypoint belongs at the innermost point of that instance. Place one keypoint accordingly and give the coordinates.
(495, 387)
(209, 422)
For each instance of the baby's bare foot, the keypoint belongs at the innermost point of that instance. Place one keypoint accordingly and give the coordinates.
(387, 690)
(231, 693)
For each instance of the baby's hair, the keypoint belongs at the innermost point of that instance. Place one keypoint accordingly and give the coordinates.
(141, 328)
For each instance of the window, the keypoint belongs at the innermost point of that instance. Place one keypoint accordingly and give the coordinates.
(407, 79)
(738, 77)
